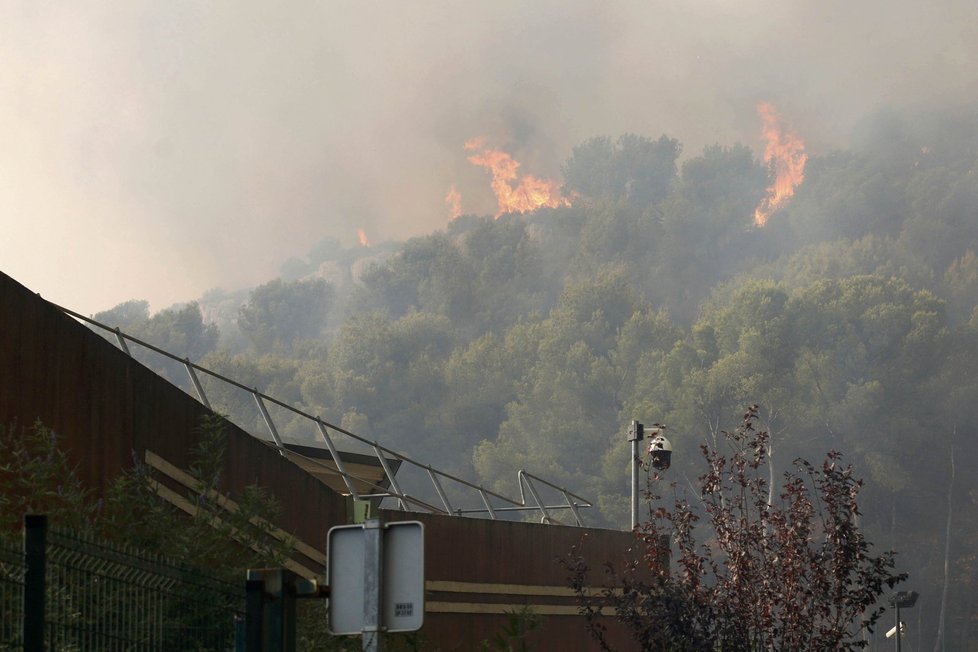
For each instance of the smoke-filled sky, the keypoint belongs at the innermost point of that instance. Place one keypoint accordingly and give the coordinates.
(154, 150)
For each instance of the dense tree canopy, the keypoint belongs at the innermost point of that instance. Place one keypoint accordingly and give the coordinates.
(632, 167)
(278, 314)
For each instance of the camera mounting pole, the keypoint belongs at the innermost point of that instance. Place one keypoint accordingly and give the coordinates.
(904, 599)
(636, 431)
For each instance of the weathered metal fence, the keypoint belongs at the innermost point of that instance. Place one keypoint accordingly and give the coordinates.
(67, 592)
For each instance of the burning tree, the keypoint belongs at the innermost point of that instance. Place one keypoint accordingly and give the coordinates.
(784, 153)
(513, 192)
(786, 571)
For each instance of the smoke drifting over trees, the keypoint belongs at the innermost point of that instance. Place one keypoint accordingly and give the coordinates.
(195, 146)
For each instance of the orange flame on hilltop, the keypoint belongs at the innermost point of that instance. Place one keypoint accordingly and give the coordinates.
(362, 235)
(785, 155)
(454, 201)
(528, 194)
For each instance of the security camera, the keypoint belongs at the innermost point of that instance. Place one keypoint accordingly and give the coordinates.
(660, 450)
(892, 632)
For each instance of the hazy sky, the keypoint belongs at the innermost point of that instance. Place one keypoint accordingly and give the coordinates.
(155, 150)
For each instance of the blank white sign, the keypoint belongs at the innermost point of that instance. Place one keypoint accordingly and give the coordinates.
(403, 577)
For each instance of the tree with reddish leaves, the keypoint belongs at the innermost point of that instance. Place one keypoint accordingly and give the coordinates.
(753, 569)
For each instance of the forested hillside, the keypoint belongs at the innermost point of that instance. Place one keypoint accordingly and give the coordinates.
(530, 340)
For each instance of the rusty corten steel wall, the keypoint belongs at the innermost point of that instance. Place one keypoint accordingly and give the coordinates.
(106, 407)
(475, 567)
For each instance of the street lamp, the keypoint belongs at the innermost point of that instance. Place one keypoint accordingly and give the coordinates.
(905, 600)
(660, 451)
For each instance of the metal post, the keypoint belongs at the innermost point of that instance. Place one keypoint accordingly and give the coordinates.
(268, 422)
(270, 609)
(441, 492)
(636, 432)
(196, 381)
(525, 478)
(898, 627)
(240, 634)
(905, 599)
(485, 499)
(373, 581)
(35, 558)
(573, 507)
(288, 612)
(254, 615)
(337, 459)
(122, 341)
(390, 476)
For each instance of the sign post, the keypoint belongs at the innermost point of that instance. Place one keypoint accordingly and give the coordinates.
(376, 579)
(373, 582)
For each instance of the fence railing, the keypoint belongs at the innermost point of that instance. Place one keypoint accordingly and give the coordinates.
(63, 591)
(11, 595)
(390, 488)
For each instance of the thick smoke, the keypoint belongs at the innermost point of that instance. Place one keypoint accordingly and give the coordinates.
(153, 150)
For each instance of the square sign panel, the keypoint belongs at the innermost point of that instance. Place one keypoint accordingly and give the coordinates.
(344, 574)
(402, 595)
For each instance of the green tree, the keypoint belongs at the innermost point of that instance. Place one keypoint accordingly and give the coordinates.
(707, 232)
(179, 330)
(479, 384)
(509, 280)
(428, 274)
(127, 315)
(279, 314)
(568, 399)
(36, 477)
(961, 287)
(632, 167)
(275, 374)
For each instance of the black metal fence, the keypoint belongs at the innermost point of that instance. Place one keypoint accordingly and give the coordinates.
(11, 595)
(66, 592)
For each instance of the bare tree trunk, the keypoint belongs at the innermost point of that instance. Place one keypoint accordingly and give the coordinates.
(939, 642)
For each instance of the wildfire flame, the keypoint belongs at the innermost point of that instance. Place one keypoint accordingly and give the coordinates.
(785, 155)
(362, 235)
(454, 201)
(514, 194)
